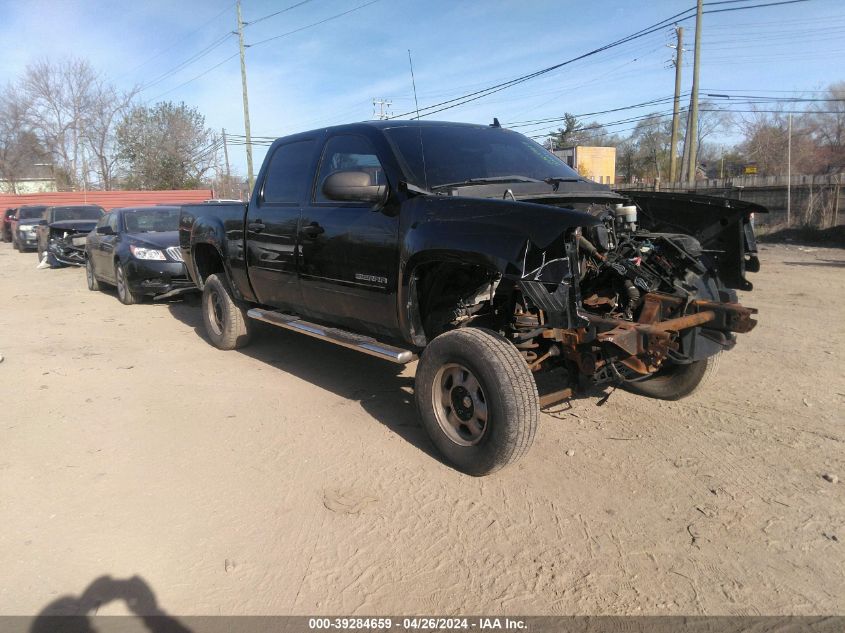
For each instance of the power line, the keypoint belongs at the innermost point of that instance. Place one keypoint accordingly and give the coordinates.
(193, 58)
(178, 41)
(308, 26)
(478, 94)
(753, 6)
(275, 13)
(634, 106)
(192, 79)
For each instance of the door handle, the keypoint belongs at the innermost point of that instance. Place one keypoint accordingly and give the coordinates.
(256, 226)
(313, 230)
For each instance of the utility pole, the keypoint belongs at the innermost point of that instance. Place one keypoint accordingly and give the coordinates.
(673, 144)
(226, 158)
(250, 178)
(682, 176)
(789, 172)
(692, 129)
(226, 154)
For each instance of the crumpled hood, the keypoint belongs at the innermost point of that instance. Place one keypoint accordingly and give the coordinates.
(494, 233)
(541, 223)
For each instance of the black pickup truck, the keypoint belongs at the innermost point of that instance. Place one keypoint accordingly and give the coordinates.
(515, 281)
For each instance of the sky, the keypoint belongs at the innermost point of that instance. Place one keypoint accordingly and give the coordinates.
(331, 58)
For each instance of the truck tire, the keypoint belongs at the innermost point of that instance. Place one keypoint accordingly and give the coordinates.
(674, 382)
(226, 322)
(477, 399)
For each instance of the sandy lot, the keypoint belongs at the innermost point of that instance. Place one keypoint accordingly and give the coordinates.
(292, 477)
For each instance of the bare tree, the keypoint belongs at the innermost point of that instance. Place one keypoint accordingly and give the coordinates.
(826, 123)
(574, 132)
(60, 98)
(107, 108)
(650, 141)
(20, 149)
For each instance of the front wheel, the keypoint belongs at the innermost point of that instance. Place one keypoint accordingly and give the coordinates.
(674, 382)
(126, 296)
(93, 283)
(477, 399)
(225, 321)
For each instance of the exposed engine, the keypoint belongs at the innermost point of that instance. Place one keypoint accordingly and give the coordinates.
(630, 303)
(67, 246)
(620, 265)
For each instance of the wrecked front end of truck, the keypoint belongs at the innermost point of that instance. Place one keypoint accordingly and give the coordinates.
(598, 290)
(632, 301)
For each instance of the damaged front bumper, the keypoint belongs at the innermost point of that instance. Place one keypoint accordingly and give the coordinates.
(69, 251)
(158, 279)
(668, 330)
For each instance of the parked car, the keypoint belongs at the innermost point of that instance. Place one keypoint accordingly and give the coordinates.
(137, 250)
(6, 226)
(62, 233)
(24, 224)
(486, 256)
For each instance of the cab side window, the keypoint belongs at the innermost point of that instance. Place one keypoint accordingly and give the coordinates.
(348, 153)
(288, 174)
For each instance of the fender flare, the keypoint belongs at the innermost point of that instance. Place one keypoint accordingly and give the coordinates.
(409, 313)
(208, 230)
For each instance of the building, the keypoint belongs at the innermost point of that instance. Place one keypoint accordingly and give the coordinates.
(38, 179)
(28, 185)
(595, 163)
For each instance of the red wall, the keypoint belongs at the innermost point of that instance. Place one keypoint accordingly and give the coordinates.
(106, 199)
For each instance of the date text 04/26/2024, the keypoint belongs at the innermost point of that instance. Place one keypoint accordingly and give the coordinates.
(416, 623)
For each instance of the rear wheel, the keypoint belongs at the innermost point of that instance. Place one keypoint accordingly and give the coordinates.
(126, 296)
(477, 399)
(674, 382)
(93, 284)
(226, 322)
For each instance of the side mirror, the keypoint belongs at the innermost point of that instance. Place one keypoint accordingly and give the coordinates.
(353, 186)
(105, 230)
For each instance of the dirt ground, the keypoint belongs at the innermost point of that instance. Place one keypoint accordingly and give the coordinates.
(292, 477)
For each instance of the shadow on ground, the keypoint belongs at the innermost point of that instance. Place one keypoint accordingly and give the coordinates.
(375, 384)
(835, 263)
(76, 614)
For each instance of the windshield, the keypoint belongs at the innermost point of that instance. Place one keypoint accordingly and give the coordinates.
(29, 214)
(152, 220)
(456, 154)
(62, 214)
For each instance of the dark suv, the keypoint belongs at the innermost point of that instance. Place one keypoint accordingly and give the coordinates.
(24, 226)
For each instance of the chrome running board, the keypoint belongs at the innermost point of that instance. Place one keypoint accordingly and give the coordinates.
(343, 338)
